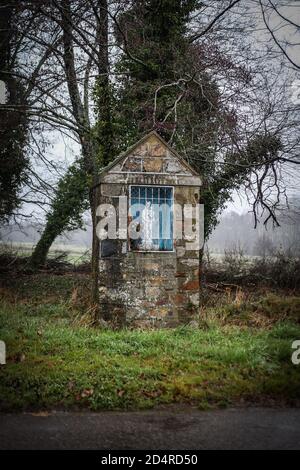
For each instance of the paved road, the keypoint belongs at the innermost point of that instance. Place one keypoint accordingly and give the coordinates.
(252, 428)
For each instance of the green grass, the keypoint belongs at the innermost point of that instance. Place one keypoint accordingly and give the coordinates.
(53, 362)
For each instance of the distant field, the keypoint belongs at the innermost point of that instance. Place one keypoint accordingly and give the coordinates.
(219, 257)
(74, 254)
(79, 253)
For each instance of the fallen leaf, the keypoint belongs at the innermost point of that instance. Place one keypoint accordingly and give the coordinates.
(88, 392)
(22, 357)
(151, 394)
(41, 413)
(71, 385)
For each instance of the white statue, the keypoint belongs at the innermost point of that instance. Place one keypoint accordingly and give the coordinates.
(147, 218)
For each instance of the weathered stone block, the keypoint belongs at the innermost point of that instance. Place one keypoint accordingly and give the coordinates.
(194, 299)
(133, 164)
(152, 165)
(190, 262)
(160, 312)
(152, 292)
(180, 251)
(157, 150)
(191, 285)
(112, 190)
(179, 299)
(162, 301)
(173, 167)
(180, 274)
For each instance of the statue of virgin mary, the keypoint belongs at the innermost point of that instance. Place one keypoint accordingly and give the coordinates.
(147, 219)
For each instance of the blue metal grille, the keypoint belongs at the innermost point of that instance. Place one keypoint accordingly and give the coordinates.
(161, 199)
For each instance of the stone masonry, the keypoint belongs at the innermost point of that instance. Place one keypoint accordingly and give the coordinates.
(149, 288)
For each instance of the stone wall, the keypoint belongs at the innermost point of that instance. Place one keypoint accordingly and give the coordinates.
(149, 288)
(154, 288)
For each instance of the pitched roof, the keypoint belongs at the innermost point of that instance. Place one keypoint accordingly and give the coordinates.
(141, 141)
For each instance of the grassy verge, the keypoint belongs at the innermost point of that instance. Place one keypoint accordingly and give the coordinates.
(55, 362)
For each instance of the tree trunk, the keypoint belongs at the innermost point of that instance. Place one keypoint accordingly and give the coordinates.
(104, 137)
(70, 201)
(97, 146)
(95, 250)
(40, 253)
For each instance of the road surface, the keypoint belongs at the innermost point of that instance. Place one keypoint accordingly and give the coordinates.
(249, 428)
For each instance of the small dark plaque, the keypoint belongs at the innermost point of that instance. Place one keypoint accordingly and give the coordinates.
(108, 248)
